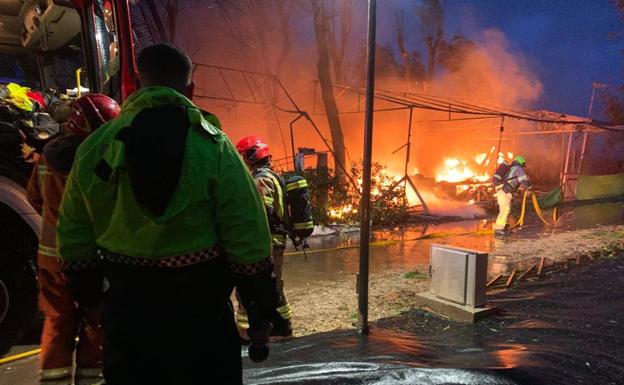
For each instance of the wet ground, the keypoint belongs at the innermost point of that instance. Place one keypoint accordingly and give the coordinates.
(398, 249)
(413, 255)
(563, 330)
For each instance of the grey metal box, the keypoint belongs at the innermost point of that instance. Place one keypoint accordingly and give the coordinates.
(459, 275)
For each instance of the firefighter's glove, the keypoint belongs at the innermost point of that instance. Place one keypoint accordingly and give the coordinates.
(258, 294)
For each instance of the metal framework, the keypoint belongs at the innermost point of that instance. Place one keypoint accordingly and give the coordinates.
(459, 110)
(252, 83)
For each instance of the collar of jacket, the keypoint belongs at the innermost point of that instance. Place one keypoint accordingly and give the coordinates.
(158, 96)
(153, 97)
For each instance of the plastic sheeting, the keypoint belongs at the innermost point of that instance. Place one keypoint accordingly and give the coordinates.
(563, 330)
(550, 199)
(599, 186)
(589, 187)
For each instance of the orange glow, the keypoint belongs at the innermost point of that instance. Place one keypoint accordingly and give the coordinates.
(457, 170)
(340, 212)
(479, 158)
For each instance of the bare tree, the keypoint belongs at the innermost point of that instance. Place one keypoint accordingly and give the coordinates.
(405, 54)
(338, 40)
(321, 31)
(172, 11)
(431, 16)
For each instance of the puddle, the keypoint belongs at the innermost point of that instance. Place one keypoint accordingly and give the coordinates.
(412, 255)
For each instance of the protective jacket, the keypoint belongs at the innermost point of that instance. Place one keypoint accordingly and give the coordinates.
(63, 319)
(46, 186)
(515, 178)
(163, 199)
(214, 202)
(272, 192)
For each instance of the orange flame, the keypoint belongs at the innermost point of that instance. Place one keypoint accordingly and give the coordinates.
(457, 170)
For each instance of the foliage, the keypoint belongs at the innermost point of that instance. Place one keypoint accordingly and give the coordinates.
(613, 104)
(430, 13)
(415, 275)
(336, 201)
(387, 199)
(326, 190)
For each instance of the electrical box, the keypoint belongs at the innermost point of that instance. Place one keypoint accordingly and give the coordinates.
(459, 275)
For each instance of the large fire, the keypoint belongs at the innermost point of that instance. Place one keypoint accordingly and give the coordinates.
(470, 176)
(456, 170)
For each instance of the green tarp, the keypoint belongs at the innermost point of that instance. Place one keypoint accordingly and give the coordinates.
(550, 199)
(589, 187)
(601, 186)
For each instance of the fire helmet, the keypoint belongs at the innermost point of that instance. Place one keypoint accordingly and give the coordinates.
(89, 112)
(521, 161)
(253, 149)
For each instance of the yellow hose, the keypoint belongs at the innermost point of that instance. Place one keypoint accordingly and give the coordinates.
(538, 210)
(19, 356)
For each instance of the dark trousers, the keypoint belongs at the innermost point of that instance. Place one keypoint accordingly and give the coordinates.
(170, 326)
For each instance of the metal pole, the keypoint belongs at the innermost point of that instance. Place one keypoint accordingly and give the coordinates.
(292, 140)
(365, 203)
(409, 141)
(589, 115)
(564, 179)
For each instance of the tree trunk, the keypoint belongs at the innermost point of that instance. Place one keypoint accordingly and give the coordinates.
(172, 16)
(405, 55)
(431, 56)
(324, 75)
(160, 27)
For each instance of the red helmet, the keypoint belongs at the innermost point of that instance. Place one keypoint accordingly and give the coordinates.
(89, 112)
(253, 149)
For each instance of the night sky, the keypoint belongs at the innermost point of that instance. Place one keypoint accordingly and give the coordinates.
(564, 42)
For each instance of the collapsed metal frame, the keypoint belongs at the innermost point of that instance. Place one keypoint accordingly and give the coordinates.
(570, 169)
(253, 97)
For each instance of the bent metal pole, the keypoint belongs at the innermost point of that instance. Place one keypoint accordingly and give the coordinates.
(365, 203)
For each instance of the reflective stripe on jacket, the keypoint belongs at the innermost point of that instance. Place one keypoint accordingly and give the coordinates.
(271, 191)
(44, 192)
(515, 178)
(215, 203)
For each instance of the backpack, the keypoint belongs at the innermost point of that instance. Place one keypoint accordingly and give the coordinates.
(298, 223)
(500, 175)
(299, 208)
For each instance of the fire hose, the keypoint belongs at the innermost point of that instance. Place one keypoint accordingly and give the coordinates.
(538, 211)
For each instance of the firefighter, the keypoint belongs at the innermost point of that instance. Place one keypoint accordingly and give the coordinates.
(514, 178)
(64, 320)
(160, 205)
(255, 152)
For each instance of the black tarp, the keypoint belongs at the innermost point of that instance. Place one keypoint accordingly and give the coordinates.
(563, 329)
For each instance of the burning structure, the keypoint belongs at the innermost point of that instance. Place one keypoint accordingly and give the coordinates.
(445, 147)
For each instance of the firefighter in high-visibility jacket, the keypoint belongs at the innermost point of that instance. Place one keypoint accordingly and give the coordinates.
(64, 318)
(256, 154)
(161, 215)
(514, 179)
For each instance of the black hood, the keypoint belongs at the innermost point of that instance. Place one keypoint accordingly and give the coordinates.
(155, 145)
(60, 152)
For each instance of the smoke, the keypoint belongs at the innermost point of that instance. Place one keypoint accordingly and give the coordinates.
(451, 208)
(488, 74)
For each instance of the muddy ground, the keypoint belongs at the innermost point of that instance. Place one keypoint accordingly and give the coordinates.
(324, 305)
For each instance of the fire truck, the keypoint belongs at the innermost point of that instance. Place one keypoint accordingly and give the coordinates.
(59, 48)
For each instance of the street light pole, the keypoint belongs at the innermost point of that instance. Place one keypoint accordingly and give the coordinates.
(365, 203)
